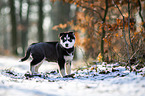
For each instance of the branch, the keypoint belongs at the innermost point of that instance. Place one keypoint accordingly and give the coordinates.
(136, 51)
(118, 9)
(106, 11)
(140, 8)
(100, 7)
(129, 26)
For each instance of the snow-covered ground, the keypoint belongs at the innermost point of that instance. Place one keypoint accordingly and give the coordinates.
(86, 82)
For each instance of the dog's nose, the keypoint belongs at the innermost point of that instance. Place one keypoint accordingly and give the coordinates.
(66, 45)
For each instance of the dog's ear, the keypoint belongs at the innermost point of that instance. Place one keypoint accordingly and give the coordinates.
(61, 34)
(71, 32)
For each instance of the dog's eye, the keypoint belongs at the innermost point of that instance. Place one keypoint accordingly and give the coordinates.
(64, 40)
(70, 40)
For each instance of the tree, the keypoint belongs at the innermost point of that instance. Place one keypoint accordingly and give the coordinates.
(60, 14)
(108, 26)
(40, 21)
(103, 30)
(14, 27)
(23, 25)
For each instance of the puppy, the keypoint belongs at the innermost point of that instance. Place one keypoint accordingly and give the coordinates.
(62, 53)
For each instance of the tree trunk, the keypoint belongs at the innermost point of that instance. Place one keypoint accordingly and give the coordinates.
(5, 34)
(140, 9)
(129, 36)
(14, 27)
(24, 24)
(103, 31)
(40, 21)
(143, 9)
(59, 14)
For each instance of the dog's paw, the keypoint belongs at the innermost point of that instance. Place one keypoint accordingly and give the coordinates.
(68, 76)
(29, 75)
(20, 60)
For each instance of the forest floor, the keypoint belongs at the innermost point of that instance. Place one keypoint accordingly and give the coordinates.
(97, 80)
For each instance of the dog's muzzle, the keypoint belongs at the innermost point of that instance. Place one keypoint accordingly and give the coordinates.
(66, 45)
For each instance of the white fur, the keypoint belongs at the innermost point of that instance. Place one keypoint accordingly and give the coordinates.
(34, 69)
(62, 72)
(68, 68)
(37, 67)
(70, 44)
(68, 58)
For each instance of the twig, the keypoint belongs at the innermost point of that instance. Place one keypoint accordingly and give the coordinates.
(112, 49)
(136, 51)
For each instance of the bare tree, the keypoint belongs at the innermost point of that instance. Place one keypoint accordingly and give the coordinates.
(40, 21)
(14, 27)
(103, 30)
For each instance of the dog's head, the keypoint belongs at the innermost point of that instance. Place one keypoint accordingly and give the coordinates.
(67, 39)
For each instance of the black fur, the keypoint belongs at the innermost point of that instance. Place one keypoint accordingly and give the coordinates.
(40, 50)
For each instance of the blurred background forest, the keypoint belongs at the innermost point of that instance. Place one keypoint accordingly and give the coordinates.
(106, 30)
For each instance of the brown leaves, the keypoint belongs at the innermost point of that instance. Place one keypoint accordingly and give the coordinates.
(89, 27)
(62, 26)
(120, 23)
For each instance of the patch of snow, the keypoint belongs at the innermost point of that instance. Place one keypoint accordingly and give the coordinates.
(87, 82)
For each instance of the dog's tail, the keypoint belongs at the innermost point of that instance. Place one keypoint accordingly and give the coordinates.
(27, 55)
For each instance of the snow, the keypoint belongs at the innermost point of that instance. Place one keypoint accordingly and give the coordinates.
(86, 82)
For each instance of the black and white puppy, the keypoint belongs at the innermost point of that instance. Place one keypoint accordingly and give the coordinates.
(53, 51)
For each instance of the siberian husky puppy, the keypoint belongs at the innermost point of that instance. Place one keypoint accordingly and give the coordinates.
(60, 52)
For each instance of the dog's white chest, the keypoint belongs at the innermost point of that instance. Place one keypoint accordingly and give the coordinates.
(68, 58)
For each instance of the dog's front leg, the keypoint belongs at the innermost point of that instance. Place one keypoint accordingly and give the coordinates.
(68, 67)
(61, 63)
